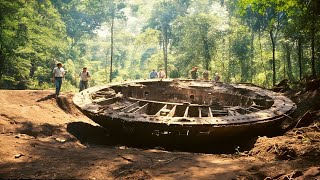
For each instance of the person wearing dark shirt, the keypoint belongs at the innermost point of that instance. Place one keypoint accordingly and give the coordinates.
(153, 74)
(194, 73)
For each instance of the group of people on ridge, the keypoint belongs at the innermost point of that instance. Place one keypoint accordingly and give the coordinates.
(205, 75)
(154, 74)
(59, 73)
(194, 74)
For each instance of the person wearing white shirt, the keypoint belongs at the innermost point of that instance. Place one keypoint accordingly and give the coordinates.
(58, 74)
(84, 77)
(161, 74)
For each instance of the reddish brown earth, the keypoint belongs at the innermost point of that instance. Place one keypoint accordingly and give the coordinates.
(46, 138)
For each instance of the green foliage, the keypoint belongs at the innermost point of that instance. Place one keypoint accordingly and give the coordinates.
(196, 39)
(35, 31)
(240, 48)
(258, 41)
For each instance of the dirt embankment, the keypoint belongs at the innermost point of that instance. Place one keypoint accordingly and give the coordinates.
(43, 137)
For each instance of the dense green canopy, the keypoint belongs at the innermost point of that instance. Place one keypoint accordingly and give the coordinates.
(257, 41)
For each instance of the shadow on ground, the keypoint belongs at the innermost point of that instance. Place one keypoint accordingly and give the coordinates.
(50, 96)
(89, 134)
(42, 130)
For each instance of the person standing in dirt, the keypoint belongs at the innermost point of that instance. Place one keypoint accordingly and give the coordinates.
(216, 77)
(194, 73)
(161, 74)
(205, 75)
(58, 74)
(153, 74)
(84, 77)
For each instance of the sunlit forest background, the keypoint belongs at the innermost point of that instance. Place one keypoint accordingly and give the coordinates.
(249, 41)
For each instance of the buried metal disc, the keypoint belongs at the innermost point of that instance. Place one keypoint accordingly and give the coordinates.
(184, 108)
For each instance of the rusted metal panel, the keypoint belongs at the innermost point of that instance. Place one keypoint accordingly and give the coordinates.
(183, 107)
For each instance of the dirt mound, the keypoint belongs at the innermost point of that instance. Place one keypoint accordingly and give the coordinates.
(63, 101)
(308, 109)
(302, 134)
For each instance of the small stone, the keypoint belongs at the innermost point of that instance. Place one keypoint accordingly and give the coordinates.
(60, 140)
(18, 155)
(123, 147)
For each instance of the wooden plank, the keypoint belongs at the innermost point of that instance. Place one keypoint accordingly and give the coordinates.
(219, 112)
(186, 112)
(173, 110)
(151, 101)
(142, 109)
(210, 113)
(255, 108)
(233, 113)
(159, 112)
(105, 100)
(161, 102)
(130, 107)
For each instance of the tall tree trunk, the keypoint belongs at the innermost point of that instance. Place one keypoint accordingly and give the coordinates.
(273, 57)
(165, 49)
(289, 65)
(33, 68)
(244, 70)
(300, 57)
(111, 53)
(284, 67)
(207, 56)
(313, 66)
(251, 65)
(261, 57)
(206, 48)
(1, 62)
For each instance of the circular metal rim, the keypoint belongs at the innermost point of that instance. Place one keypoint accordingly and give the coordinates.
(282, 107)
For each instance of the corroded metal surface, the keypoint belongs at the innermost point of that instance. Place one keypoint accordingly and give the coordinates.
(183, 107)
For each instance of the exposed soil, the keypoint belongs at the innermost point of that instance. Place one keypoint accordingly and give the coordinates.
(47, 138)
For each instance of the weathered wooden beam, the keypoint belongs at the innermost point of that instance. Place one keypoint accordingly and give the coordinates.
(159, 112)
(172, 112)
(255, 108)
(210, 112)
(131, 107)
(142, 109)
(186, 112)
(232, 112)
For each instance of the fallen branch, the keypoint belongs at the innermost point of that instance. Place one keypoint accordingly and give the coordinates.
(165, 162)
(305, 116)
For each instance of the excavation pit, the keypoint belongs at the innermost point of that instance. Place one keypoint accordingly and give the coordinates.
(184, 110)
